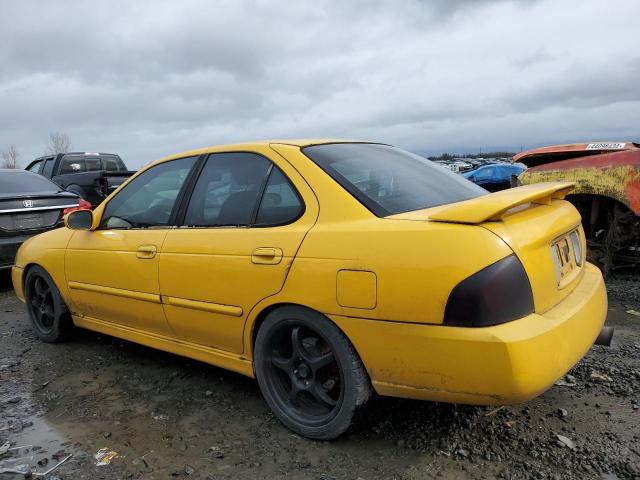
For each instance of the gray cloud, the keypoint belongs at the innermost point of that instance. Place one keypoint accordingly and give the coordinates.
(149, 78)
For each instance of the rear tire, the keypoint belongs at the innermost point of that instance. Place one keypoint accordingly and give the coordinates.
(309, 373)
(47, 311)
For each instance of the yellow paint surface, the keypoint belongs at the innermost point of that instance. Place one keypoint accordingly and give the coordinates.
(356, 289)
(391, 306)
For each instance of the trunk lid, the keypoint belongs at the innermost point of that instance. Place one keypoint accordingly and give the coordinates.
(27, 214)
(536, 224)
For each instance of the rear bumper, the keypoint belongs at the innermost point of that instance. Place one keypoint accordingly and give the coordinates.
(503, 364)
(8, 249)
(18, 283)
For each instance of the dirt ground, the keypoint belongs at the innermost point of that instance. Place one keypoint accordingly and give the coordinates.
(169, 417)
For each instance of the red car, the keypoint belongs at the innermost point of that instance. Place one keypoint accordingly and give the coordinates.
(607, 175)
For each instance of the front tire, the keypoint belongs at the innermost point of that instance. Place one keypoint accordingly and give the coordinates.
(48, 313)
(309, 373)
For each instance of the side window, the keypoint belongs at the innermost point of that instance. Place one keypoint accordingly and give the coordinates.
(35, 167)
(227, 190)
(92, 164)
(112, 163)
(148, 200)
(484, 174)
(280, 203)
(47, 170)
(72, 164)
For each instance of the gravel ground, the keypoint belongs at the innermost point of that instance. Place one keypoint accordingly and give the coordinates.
(170, 417)
(624, 290)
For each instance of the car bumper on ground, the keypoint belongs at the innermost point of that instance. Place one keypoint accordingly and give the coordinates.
(502, 364)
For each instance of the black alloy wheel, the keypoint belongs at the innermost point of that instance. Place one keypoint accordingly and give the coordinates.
(41, 305)
(304, 373)
(309, 373)
(48, 313)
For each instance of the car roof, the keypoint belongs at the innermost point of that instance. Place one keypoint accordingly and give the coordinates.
(298, 142)
(90, 154)
(503, 165)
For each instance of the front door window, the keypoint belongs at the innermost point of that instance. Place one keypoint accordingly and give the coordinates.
(148, 200)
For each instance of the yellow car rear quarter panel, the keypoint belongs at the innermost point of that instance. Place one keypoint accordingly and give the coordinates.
(503, 364)
(356, 289)
(390, 270)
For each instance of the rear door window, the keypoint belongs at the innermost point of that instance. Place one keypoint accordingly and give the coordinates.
(280, 202)
(93, 164)
(228, 190)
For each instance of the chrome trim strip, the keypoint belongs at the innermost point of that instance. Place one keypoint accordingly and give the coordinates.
(35, 209)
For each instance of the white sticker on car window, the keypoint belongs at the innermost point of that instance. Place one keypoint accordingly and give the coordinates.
(605, 146)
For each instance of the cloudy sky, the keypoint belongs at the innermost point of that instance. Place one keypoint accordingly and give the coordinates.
(149, 78)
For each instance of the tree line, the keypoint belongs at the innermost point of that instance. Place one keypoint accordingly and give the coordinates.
(58, 143)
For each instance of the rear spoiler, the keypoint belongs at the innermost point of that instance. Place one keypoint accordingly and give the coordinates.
(491, 207)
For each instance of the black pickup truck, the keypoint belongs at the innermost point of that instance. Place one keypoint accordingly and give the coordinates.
(92, 176)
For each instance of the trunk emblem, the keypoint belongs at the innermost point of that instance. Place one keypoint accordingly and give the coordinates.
(28, 203)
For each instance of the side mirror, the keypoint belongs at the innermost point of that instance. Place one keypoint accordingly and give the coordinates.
(79, 220)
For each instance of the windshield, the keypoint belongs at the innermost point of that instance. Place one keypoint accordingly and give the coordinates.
(388, 180)
(19, 182)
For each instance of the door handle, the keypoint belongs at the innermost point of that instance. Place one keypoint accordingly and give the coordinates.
(146, 251)
(266, 255)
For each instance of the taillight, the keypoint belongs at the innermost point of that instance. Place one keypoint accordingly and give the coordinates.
(496, 294)
(577, 247)
(82, 205)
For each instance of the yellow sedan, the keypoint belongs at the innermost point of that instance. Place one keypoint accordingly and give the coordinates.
(328, 270)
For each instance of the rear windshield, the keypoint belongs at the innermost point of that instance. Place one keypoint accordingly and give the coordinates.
(91, 163)
(113, 163)
(388, 180)
(25, 182)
